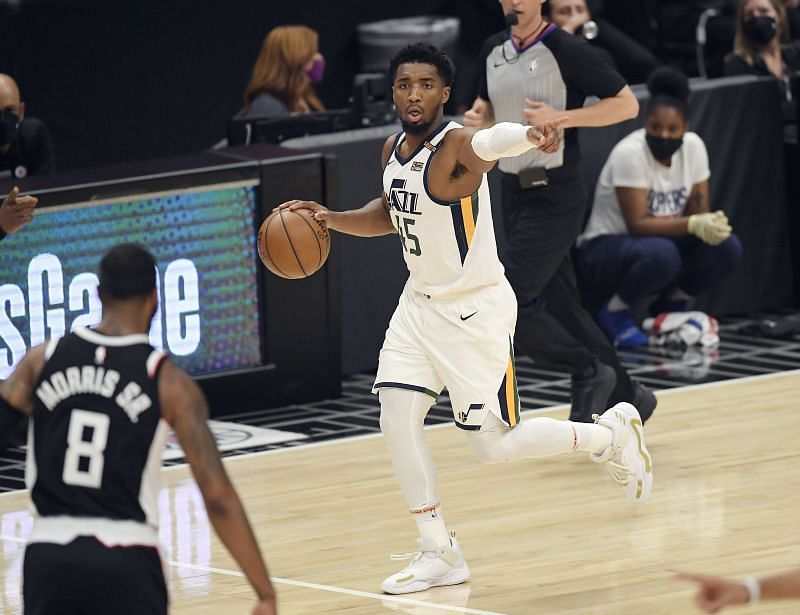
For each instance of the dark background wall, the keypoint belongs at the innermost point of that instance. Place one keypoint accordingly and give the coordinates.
(118, 81)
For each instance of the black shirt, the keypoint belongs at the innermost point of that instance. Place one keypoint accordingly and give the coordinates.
(556, 68)
(31, 151)
(736, 65)
(97, 429)
(789, 85)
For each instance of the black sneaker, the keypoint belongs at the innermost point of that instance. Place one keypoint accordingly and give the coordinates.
(590, 395)
(644, 400)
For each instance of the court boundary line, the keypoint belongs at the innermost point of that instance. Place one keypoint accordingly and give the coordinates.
(340, 590)
(318, 586)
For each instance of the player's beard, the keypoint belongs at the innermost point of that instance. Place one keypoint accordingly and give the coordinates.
(421, 128)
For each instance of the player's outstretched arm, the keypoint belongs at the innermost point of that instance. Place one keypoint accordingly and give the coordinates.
(16, 393)
(185, 408)
(715, 593)
(480, 149)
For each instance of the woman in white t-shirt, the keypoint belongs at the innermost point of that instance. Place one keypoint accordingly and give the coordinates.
(650, 233)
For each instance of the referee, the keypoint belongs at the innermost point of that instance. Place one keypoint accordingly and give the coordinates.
(532, 73)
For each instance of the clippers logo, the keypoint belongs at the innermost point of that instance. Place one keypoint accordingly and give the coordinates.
(463, 416)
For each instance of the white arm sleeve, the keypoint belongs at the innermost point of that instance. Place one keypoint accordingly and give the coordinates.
(503, 140)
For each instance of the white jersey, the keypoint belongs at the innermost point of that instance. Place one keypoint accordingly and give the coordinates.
(449, 246)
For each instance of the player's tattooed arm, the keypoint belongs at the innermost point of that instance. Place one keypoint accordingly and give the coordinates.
(698, 199)
(185, 408)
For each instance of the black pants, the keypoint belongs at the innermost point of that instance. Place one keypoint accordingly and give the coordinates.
(552, 327)
(85, 577)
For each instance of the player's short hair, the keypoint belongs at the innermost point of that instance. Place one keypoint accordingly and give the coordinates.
(127, 270)
(424, 53)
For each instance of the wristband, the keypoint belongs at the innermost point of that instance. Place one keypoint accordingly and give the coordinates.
(753, 589)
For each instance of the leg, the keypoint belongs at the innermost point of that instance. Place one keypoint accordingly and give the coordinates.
(705, 265)
(563, 302)
(496, 442)
(542, 225)
(440, 560)
(616, 438)
(633, 268)
(402, 423)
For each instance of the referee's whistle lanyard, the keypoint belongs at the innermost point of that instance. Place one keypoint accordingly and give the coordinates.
(520, 46)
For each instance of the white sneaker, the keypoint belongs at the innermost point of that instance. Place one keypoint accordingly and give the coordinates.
(627, 459)
(432, 566)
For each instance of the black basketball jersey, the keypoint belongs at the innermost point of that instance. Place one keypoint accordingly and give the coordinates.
(96, 433)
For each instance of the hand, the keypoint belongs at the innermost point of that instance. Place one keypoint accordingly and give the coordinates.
(711, 228)
(536, 112)
(266, 607)
(716, 592)
(16, 211)
(574, 23)
(545, 135)
(478, 115)
(321, 213)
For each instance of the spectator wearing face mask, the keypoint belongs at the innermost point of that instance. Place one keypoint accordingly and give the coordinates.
(651, 233)
(761, 48)
(284, 74)
(761, 28)
(25, 144)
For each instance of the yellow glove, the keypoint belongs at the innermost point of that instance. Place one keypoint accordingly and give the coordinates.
(711, 228)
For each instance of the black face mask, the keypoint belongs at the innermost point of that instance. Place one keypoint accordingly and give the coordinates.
(761, 30)
(663, 148)
(8, 126)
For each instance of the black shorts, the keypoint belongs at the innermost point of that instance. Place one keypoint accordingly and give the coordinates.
(85, 577)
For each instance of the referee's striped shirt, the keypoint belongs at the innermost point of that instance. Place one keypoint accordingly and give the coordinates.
(556, 68)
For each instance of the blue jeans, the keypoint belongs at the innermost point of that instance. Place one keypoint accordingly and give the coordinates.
(639, 267)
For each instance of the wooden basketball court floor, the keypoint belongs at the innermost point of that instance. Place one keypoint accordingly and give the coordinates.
(543, 536)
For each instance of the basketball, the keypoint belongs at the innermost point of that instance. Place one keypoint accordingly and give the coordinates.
(292, 244)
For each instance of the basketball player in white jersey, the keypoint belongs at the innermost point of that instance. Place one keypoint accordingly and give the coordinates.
(101, 404)
(455, 321)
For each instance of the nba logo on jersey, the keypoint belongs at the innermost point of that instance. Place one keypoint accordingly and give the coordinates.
(100, 355)
(534, 66)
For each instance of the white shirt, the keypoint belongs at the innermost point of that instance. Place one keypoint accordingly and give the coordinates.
(449, 246)
(631, 165)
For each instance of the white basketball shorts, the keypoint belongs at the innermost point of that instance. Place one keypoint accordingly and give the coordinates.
(464, 344)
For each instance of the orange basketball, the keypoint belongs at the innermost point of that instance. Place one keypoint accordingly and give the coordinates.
(292, 244)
